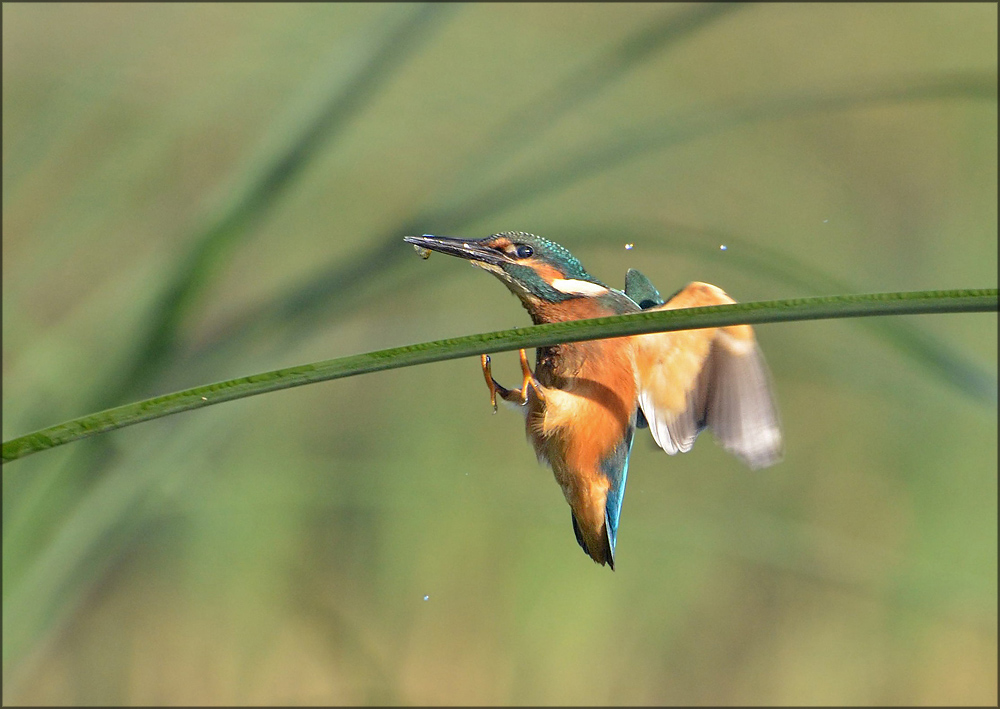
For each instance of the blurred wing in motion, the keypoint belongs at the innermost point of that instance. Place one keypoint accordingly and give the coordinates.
(712, 377)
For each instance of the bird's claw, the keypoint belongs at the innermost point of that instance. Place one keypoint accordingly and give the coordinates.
(515, 396)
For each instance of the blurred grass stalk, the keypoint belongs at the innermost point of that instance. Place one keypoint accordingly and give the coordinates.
(380, 54)
(349, 283)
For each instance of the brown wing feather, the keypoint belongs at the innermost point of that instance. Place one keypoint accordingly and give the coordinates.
(713, 377)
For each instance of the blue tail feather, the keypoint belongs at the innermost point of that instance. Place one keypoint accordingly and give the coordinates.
(615, 467)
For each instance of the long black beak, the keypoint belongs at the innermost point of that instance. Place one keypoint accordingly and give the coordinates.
(471, 249)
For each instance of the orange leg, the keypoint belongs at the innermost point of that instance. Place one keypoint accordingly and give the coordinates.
(529, 378)
(491, 383)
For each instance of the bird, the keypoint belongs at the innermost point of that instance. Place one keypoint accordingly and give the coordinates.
(583, 401)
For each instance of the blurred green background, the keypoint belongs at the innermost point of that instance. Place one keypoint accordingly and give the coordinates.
(197, 192)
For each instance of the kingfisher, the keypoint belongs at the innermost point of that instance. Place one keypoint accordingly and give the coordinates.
(584, 400)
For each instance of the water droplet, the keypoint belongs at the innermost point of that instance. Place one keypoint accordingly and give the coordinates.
(722, 247)
(629, 247)
(826, 221)
(427, 598)
(422, 252)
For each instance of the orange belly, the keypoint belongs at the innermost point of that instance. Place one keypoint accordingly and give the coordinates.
(584, 416)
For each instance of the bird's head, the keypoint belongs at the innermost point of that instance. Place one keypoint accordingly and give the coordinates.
(536, 270)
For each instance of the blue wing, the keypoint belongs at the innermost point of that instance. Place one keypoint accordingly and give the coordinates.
(641, 290)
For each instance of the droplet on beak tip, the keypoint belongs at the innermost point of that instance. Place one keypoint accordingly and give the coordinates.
(422, 252)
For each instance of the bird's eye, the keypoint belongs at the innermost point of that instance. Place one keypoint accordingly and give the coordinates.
(523, 251)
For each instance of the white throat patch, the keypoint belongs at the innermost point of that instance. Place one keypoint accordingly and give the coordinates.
(573, 286)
